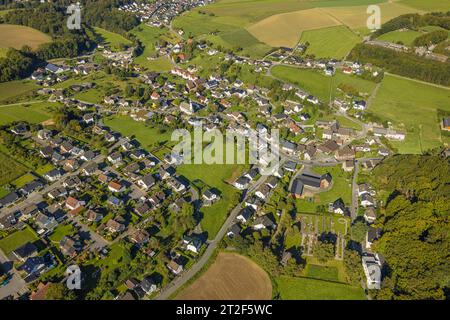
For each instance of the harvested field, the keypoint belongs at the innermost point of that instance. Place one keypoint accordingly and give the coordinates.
(18, 36)
(285, 29)
(230, 277)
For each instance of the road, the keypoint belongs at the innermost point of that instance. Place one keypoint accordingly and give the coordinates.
(16, 285)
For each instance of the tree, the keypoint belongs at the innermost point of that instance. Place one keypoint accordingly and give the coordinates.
(59, 291)
(324, 251)
(353, 268)
(359, 230)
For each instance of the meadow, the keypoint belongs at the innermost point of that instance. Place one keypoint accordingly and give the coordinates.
(10, 169)
(318, 84)
(231, 276)
(412, 105)
(406, 37)
(17, 36)
(428, 5)
(333, 42)
(13, 89)
(32, 113)
(296, 288)
(114, 40)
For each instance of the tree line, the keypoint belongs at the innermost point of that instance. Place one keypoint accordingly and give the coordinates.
(402, 63)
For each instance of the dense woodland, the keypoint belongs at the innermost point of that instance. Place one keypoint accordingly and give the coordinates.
(405, 64)
(415, 226)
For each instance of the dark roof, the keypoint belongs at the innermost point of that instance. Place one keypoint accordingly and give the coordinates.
(8, 199)
(297, 187)
(26, 250)
(373, 234)
(311, 179)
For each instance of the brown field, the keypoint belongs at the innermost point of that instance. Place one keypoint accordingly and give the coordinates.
(18, 36)
(230, 277)
(285, 29)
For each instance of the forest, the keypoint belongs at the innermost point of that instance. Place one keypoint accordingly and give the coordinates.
(415, 224)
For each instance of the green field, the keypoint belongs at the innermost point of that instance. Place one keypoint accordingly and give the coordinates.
(412, 105)
(343, 121)
(333, 42)
(13, 89)
(10, 169)
(291, 288)
(23, 180)
(405, 37)
(318, 84)
(17, 239)
(214, 176)
(428, 5)
(32, 113)
(145, 134)
(115, 41)
(149, 36)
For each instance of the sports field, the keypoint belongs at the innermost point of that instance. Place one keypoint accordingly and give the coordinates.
(413, 105)
(17, 36)
(230, 277)
(333, 42)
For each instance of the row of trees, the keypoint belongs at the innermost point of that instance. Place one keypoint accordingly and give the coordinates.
(405, 64)
(434, 37)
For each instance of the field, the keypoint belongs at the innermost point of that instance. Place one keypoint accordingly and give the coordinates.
(412, 104)
(284, 30)
(115, 41)
(214, 176)
(406, 37)
(12, 89)
(291, 288)
(17, 239)
(18, 36)
(333, 42)
(33, 113)
(429, 5)
(318, 84)
(146, 135)
(230, 277)
(10, 169)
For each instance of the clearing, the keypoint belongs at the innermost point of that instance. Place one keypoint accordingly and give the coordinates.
(17, 36)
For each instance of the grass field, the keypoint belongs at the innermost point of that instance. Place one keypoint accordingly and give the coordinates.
(333, 42)
(18, 36)
(115, 41)
(214, 176)
(32, 113)
(291, 288)
(318, 84)
(10, 169)
(17, 239)
(429, 5)
(23, 180)
(230, 277)
(61, 231)
(406, 37)
(412, 104)
(13, 89)
(146, 135)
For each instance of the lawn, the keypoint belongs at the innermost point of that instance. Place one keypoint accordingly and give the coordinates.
(17, 239)
(115, 41)
(329, 273)
(214, 176)
(333, 42)
(292, 288)
(405, 37)
(341, 189)
(17, 36)
(23, 180)
(32, 113)
(61, 231)
(412, 105)
(13, 89)
(318, 84)
(149, 137)
(10, 169)
(344, 122)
